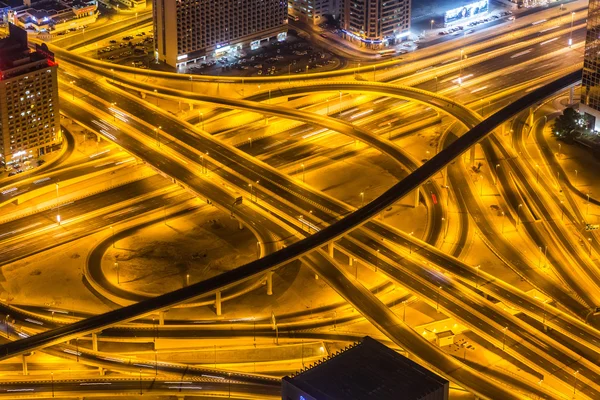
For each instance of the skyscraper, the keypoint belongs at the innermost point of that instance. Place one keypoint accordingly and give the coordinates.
(313, 11)
(376, 23)
(29, 117)
(590, 82)
(187, 30)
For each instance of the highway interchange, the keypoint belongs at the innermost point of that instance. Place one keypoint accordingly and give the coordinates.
(549, 337)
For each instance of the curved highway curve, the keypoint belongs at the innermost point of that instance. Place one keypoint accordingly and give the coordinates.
(102, 284)
(296, 250)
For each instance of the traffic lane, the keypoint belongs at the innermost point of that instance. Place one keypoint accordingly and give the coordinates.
(256, 173)
(84, 227)
(415, 279)
(554, 255)
(509, 253)
(147, 386)
(515, 57)
(20, 187)
(74, 208)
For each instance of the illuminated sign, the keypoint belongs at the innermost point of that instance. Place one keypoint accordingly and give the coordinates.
(468, 11)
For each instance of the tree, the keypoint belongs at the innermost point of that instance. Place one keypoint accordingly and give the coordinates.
(567, 125)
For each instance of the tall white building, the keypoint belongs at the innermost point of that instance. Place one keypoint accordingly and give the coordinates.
(313, 11)
(376, 23)
(29, 115)
(187, 30)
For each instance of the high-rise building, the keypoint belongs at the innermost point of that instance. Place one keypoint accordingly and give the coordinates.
(29, 116)
(188, 30)
(376, 23)
(590, 82)
(313, 11)
(368, 370)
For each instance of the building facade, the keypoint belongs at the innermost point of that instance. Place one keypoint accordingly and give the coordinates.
(376, 23)
(54, 17)
(188, 30)
(313, 11)
(590, 82)
(29, 113)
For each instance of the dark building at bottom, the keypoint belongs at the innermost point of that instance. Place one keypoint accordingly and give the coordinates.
(366, 371)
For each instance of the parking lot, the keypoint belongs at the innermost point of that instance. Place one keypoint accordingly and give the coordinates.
(132, 49)
(294, 55)
(464, 29)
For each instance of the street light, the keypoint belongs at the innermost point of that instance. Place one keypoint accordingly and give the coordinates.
(437, 303)
(460, 68)
(431, 25)
(362, 199)
(504, 337)
(52, 375)
(503, 218)
(114, 104)
(72, 89)
(477, 281)
(118, 278)
(57, 206)
(590, 240)
(496, 174)
(519, 215)
(302, 172)
(571, 32)
(6, 325)
(157, 137)
(575, 382)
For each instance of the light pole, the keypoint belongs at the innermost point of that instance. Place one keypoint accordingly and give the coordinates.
(118, 277)
(156, 362)
(404, 311)
(503, 218)
(377, 260)
(187, 280)
(431, 25)
(362, 199)
(477, 281)
(575, 382)
(587, 207)
(437, 303)
(504, 337)
(156, 134)
(496, 174)
(519, 215)
(156, 96)
(571, 32)
(436, 83)
(410, 244)
(460, 68)
(6, 325)
(57, 206)
(114, 104)
(52, 376)
(302, 172)
(72, 90)
(562, 211)
(590, 240)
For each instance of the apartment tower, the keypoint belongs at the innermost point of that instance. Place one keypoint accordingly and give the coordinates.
(188, 30)
(29, 115)
(376, 23)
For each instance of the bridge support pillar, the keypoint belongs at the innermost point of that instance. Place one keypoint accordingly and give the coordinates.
(24, 361)
(218, 302)
(330, 249)
(350, 261)
(102, 371)
(571, 95)
(269, 283)
(472, 155)
(240, 226)
(95, 341)
(416, 203)
(161, 317)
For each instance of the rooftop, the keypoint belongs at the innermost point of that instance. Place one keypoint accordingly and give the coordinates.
(367, 370)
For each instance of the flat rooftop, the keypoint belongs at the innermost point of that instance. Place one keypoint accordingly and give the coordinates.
(368, 370)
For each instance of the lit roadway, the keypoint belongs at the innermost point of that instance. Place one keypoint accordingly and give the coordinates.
(356, 241)
(319, 233)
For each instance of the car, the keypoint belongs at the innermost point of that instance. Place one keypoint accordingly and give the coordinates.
(323, 35)
(511, 18)
(113, 41)
(469, 32)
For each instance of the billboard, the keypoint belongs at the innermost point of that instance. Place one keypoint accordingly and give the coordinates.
(470, 10)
